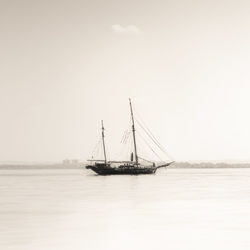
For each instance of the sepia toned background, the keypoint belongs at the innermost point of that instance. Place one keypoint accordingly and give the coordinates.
(65, 65)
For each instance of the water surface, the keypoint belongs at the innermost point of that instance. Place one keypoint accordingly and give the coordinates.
(175, 209)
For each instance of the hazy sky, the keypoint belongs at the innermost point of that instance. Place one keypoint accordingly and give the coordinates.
(65, 65)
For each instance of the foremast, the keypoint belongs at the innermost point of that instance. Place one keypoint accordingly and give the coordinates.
(103, 144)
(133, 130)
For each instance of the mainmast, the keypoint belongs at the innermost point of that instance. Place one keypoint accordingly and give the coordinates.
(133, 129)
(103, 143)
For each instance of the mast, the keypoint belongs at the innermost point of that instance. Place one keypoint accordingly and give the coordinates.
(103, 143)
(133, 129)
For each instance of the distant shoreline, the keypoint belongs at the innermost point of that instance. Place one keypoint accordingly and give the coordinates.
(39, 166)
(176, 165)
(209, 165)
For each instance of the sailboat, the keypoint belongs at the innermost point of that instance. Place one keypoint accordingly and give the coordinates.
(132, 167)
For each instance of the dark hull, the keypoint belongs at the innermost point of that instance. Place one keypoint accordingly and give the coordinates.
(107, 169)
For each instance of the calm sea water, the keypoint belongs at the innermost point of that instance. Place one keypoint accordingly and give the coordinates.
(175, 209)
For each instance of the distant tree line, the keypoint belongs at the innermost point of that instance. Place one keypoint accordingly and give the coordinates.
(209, 165)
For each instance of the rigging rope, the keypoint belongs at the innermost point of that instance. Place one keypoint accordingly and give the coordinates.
(125, 136)
(145, 160)
(149, 146)
(151, 136)
(124, 152)
(97, 148)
